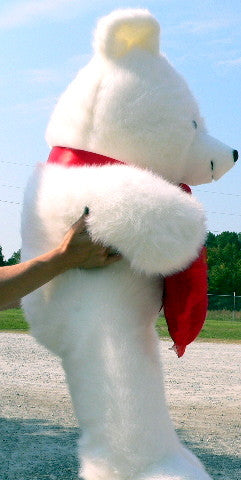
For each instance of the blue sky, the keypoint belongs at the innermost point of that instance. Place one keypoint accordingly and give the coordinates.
(45, 42)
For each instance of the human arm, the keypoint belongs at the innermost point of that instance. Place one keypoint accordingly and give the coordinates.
(76, 250)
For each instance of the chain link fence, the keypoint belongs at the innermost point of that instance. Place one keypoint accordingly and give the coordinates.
(230, 302)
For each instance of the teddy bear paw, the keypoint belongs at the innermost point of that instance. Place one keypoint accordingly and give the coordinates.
(181, 466)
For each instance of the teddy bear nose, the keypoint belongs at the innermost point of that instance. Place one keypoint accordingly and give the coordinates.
(235, 155)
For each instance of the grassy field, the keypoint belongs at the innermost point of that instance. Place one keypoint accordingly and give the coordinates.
(13, 319)
(218, 326)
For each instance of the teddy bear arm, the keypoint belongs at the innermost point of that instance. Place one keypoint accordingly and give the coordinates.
(158, 228)
(154, 225)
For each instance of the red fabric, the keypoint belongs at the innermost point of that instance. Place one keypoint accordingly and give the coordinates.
(185, 301)
(185, 293)
(70, 157)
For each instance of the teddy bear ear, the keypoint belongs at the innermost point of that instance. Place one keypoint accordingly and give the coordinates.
(124, 30)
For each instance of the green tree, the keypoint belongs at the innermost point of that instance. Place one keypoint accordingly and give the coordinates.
(2, 261)
(211, 240)
(15, 258)
(224, 264)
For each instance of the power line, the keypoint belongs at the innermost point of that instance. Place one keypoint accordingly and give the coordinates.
(216, 213)
(19, 164)
(196, 190)
(219, 193)
(9, 186)
(216, 231)
(7, 201)
(224, 213)
(202, 191)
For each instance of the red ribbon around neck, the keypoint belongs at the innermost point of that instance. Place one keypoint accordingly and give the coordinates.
(185, 293)
(71, 157)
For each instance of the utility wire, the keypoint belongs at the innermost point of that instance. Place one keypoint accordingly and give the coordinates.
(218, 231)
(224, 213)
(7, 201)
(9, 186)
(219, 193)
(19, 164)
(216, 213)
(201, 191)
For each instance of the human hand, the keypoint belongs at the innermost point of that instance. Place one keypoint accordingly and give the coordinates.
(78, 250)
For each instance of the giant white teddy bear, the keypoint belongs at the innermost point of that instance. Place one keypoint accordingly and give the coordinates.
(130, 105)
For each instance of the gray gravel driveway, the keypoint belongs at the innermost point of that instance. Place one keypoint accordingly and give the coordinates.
(38, 431)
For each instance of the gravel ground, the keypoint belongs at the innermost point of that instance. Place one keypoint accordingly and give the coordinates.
(38, 431)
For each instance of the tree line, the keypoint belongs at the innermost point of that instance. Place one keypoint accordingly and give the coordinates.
(15, 258)
(224, 268)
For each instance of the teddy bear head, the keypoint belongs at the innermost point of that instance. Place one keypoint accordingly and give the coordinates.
(130, 104)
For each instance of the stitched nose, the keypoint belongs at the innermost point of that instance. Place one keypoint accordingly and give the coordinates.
(235, 155)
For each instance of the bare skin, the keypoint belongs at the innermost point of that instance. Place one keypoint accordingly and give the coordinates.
(75, 251)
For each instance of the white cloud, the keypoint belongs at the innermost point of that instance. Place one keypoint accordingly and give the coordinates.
(230, 63)
(60, 74)
(221, 41)
(20, 13)
(200, 27)
(31, 107)
(41, 75)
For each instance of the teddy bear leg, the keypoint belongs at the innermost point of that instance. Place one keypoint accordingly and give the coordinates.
(179, 466)
(98, 471)
(182, 465)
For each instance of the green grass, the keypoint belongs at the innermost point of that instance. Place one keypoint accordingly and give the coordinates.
(218, 326)
(13, 319)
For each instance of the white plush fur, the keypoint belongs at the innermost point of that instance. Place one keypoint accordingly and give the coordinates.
(138, 109)
(130, 104)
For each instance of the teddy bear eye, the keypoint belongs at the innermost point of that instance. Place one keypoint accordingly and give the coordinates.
(194, 124)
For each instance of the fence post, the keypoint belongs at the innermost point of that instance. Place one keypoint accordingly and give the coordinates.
(234, 305)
